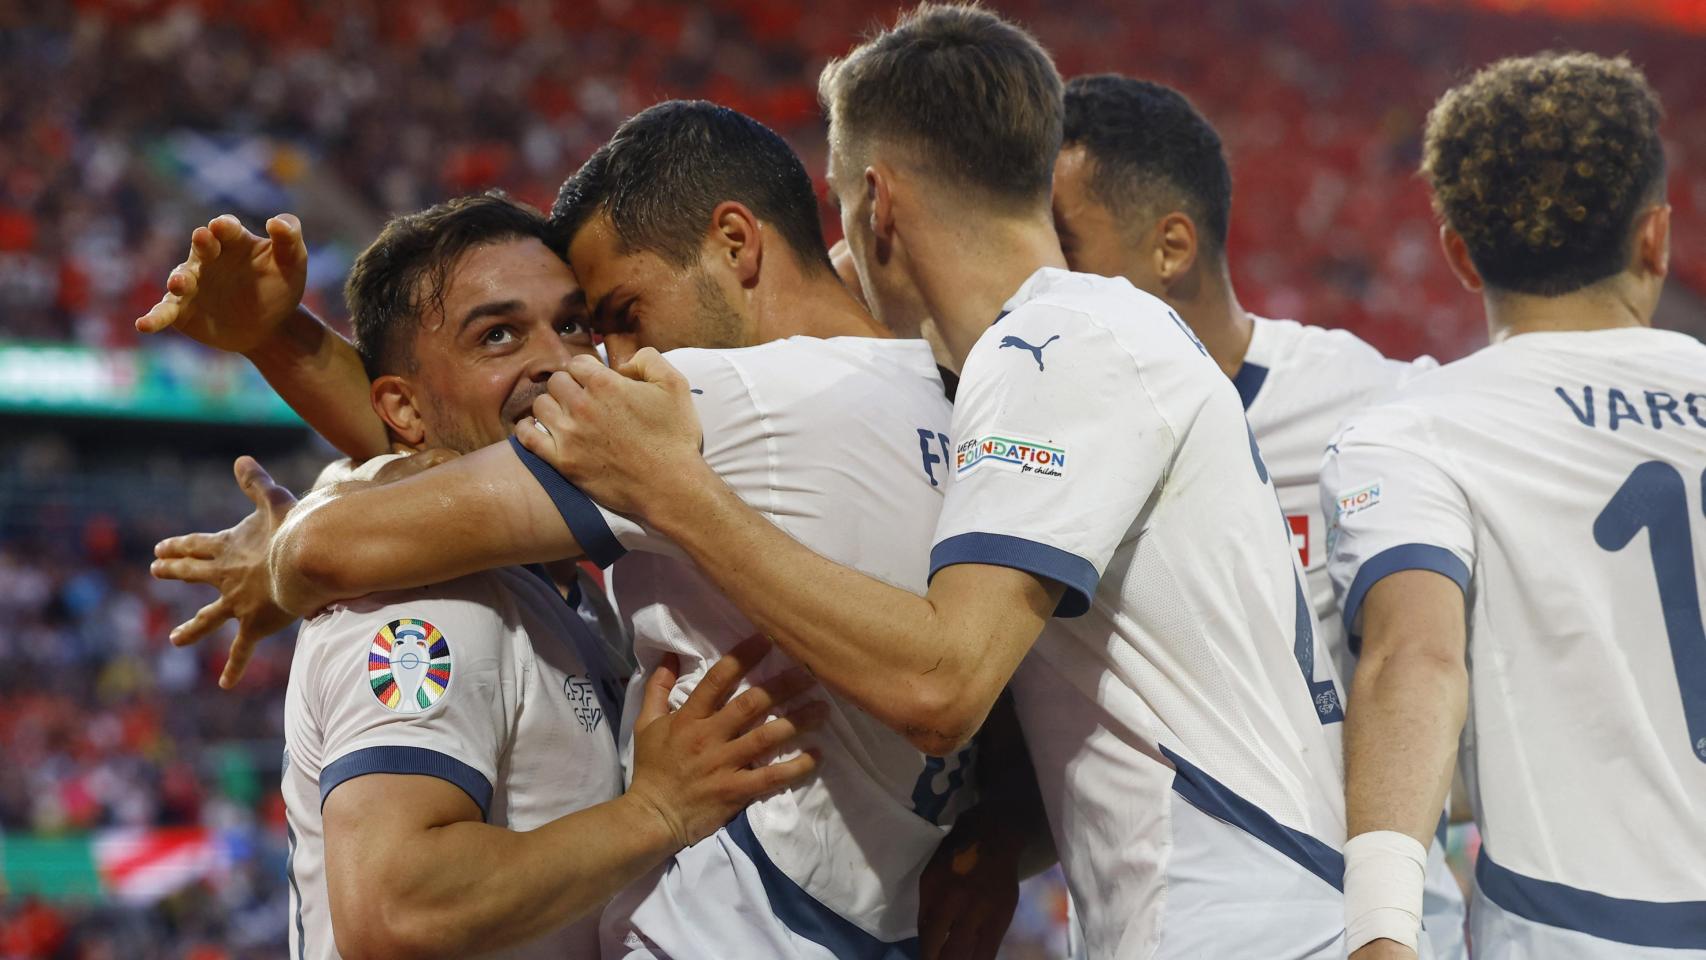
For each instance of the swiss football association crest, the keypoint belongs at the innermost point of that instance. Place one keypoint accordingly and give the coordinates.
(409, 665)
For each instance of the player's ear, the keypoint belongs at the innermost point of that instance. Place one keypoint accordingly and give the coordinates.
(394, 400)
(737, 240)
(1652, 241)
(879, 193)
(1457, 257)
(1175, 247)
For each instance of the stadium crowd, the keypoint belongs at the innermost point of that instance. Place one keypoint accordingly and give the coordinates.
(125, 122)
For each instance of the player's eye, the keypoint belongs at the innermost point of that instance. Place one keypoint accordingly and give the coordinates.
(497, 336)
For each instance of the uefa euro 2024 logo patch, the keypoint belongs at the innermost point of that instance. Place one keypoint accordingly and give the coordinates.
(408, 665)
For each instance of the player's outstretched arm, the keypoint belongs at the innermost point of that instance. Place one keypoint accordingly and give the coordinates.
(477, 512)
(928, 667)
(242, 293)
(235, 562)
(1407, 707)
(413, 872)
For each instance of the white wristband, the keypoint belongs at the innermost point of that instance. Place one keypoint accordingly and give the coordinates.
(1383, 888)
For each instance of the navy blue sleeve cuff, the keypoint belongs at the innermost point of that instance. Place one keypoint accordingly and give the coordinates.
(583, 517)
(1075, 573)
(407, 760)
(1408, 556)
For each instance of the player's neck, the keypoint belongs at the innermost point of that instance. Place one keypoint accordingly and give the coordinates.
(1211, 308)
(1607, 305)
(813, 305)
(967, 271)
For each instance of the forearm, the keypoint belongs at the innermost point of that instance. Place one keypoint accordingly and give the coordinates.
(893, 653)
(500, 887)
(477, 512)
(1401, 732)
(320, 375)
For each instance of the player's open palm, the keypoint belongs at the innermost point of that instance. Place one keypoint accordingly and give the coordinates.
(235, 288)
(700, 765)
(234, 561)
(625, 437)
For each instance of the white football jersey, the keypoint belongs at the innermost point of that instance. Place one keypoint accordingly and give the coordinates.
(1298, 384)
(480, 682)
(1559, 479)
(1184, 727)
(843, 444)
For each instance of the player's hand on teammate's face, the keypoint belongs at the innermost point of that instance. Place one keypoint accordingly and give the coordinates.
(1384, 950)
(623, 436)
(234, 561)
(234, 289)
(700, 765)
(969, 890)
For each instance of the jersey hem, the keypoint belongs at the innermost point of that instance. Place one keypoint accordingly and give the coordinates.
(1214, 798)
(805, 915)
(579, 513)
(1407, 556)
(418, 761)
(1075, 573)
(1678, 925)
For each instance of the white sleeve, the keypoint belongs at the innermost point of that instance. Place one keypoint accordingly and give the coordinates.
(1057, 446)
(734, 448)
(1390, 507)
(414, 683)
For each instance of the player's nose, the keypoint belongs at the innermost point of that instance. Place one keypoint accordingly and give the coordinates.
(620, 347)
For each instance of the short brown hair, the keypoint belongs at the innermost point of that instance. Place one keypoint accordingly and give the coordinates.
(402, 275)
(1541, 164)
(976, 99)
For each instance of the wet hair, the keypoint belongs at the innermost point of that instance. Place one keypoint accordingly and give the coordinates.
(1542, 163)
(1151, 152)
(400, 279)
(973, 99)
(667, 168)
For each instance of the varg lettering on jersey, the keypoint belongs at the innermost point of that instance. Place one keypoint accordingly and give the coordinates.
(1010, 453)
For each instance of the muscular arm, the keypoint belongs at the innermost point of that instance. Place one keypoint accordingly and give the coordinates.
(485, 887)
(320, 375)
(929, 667)
(492, 887)
(1407, 706)
(477, 512)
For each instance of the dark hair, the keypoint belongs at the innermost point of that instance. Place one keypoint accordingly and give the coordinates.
(974, 98)
(1149, 147)
(668, 167)
(402, 275)
(1541, 164)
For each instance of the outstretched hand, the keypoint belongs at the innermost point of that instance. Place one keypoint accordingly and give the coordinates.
(698, 766)
(235, 289)
(624, 436)
(234, 561)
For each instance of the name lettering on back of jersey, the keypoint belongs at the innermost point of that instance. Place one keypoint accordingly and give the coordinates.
(1010, 453)
(1036, 352)
(408, 665)
(584, 699)
(1656, 409)
(927, 440)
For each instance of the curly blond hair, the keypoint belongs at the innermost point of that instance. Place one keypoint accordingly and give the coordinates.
(1541, 164)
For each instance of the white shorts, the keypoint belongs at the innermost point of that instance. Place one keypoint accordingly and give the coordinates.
(723, 898)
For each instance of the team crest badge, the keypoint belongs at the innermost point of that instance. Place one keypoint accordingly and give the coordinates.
(408, 665)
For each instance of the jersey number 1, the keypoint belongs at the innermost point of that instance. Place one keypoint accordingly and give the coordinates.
(1655, 498)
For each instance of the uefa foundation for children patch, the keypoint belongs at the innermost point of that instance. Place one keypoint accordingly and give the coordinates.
(408, 665)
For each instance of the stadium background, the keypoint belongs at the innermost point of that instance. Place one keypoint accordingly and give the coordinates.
(139, 814)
